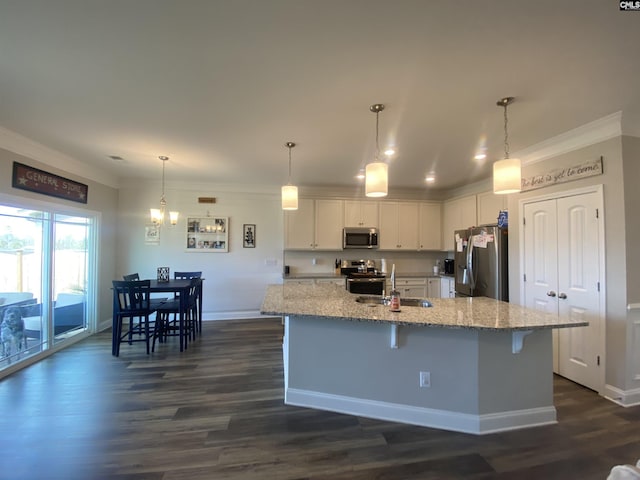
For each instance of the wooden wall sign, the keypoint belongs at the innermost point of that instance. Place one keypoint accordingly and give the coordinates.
(562, 175)
(39, 181)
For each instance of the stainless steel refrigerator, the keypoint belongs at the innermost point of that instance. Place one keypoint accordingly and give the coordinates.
(481, 262)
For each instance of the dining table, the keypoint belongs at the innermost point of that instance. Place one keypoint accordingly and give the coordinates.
(176, 286)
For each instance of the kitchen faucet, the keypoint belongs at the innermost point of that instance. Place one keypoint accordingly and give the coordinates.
(393, 277)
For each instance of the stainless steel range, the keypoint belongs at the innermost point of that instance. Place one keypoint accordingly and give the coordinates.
(363, 277)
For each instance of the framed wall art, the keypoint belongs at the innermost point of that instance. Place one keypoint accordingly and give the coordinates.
(249, 235)
(207, 234)
(152, 234)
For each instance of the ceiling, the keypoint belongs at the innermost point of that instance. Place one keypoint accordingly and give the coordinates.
(219, 86)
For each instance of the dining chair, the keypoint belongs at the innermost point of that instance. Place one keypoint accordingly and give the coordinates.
(156, 301)
(188, 276)
(131, 301)
(166, 326)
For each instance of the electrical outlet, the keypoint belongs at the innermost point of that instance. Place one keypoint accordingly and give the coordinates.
(425, 379)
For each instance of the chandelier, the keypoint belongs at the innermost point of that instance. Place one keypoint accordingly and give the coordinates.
(157, 214)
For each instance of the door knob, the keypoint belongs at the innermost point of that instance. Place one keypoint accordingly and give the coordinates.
(551, 293)
(562, 295)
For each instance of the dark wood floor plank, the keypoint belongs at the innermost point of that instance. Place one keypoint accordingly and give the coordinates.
(216, 411)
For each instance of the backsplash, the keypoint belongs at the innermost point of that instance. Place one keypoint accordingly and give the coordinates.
(406, 262)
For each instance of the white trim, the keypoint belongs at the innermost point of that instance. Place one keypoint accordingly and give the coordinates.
(421, 416)
(633, 306)
(625, 398)
(599, 190)
(233, 315)
(580, 137)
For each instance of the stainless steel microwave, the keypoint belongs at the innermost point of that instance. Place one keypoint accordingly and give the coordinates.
(360, 237)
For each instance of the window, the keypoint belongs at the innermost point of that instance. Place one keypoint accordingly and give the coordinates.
(46, 281)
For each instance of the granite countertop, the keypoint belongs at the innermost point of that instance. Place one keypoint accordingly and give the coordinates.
(304, 276)
(333, 301)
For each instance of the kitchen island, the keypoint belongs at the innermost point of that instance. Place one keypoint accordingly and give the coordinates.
(473, 365)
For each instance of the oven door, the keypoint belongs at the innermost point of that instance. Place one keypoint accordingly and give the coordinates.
(366, 286)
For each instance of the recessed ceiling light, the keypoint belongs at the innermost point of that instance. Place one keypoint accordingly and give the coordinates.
(480, 156)
(430, 178)
(360, 175)
(389, 151)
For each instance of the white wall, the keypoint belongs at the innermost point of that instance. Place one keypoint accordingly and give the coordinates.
(615, 245)
(235, 282)
(101, 199)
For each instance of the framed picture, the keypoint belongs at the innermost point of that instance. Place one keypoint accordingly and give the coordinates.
(152, 234)
(249, 235)
(207, 234)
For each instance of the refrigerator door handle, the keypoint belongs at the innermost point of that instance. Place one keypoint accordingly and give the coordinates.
(471, 276)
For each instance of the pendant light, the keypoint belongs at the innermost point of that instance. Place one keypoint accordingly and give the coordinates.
(289, 192)
(376, 172)
(507, 173)
(157, 214)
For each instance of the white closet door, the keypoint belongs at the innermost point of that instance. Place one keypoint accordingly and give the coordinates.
(561, 260)
(541, 256)
(578, 297)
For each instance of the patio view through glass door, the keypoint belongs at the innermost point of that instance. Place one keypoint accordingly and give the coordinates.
(46, 290)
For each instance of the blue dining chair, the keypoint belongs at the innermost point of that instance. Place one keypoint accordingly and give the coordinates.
(156, 301)
(167, 326)
(132, 302)
(188, 276)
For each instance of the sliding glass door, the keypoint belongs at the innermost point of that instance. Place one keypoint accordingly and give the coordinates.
(46, 286)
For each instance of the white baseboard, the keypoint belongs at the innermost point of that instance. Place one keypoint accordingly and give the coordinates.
(425, 417)
(625, 398)
(233, 315)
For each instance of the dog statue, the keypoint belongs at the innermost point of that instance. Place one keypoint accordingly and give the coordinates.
(12, 332)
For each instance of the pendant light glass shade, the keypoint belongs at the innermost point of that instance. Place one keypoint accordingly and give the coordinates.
(289, 192)
(507, 173)
(377, 172)
(157, 214)
(377, 179)
(289, 197)
(507, 176)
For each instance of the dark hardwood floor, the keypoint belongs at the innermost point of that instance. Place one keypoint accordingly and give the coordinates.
(216, 411)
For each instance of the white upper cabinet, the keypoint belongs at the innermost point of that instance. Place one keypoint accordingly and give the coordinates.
(398, 226)
(328, 225)
(489, 206)
(359, 213)
(430, 224)
(299, 226)
(316, 225)
(458, 214)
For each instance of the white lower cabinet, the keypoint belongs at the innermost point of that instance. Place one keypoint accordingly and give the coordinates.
(416, 287)
(410, 287)
(433, 287)
(447, 287)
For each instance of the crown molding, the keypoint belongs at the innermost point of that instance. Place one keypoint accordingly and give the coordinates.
(26, 147)
(580, 137)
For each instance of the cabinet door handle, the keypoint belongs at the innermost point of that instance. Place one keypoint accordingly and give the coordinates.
(562, 295)
(551, 293)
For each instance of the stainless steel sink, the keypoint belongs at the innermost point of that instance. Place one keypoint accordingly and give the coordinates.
(370, 299)
(404, 302)
(415, 302)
